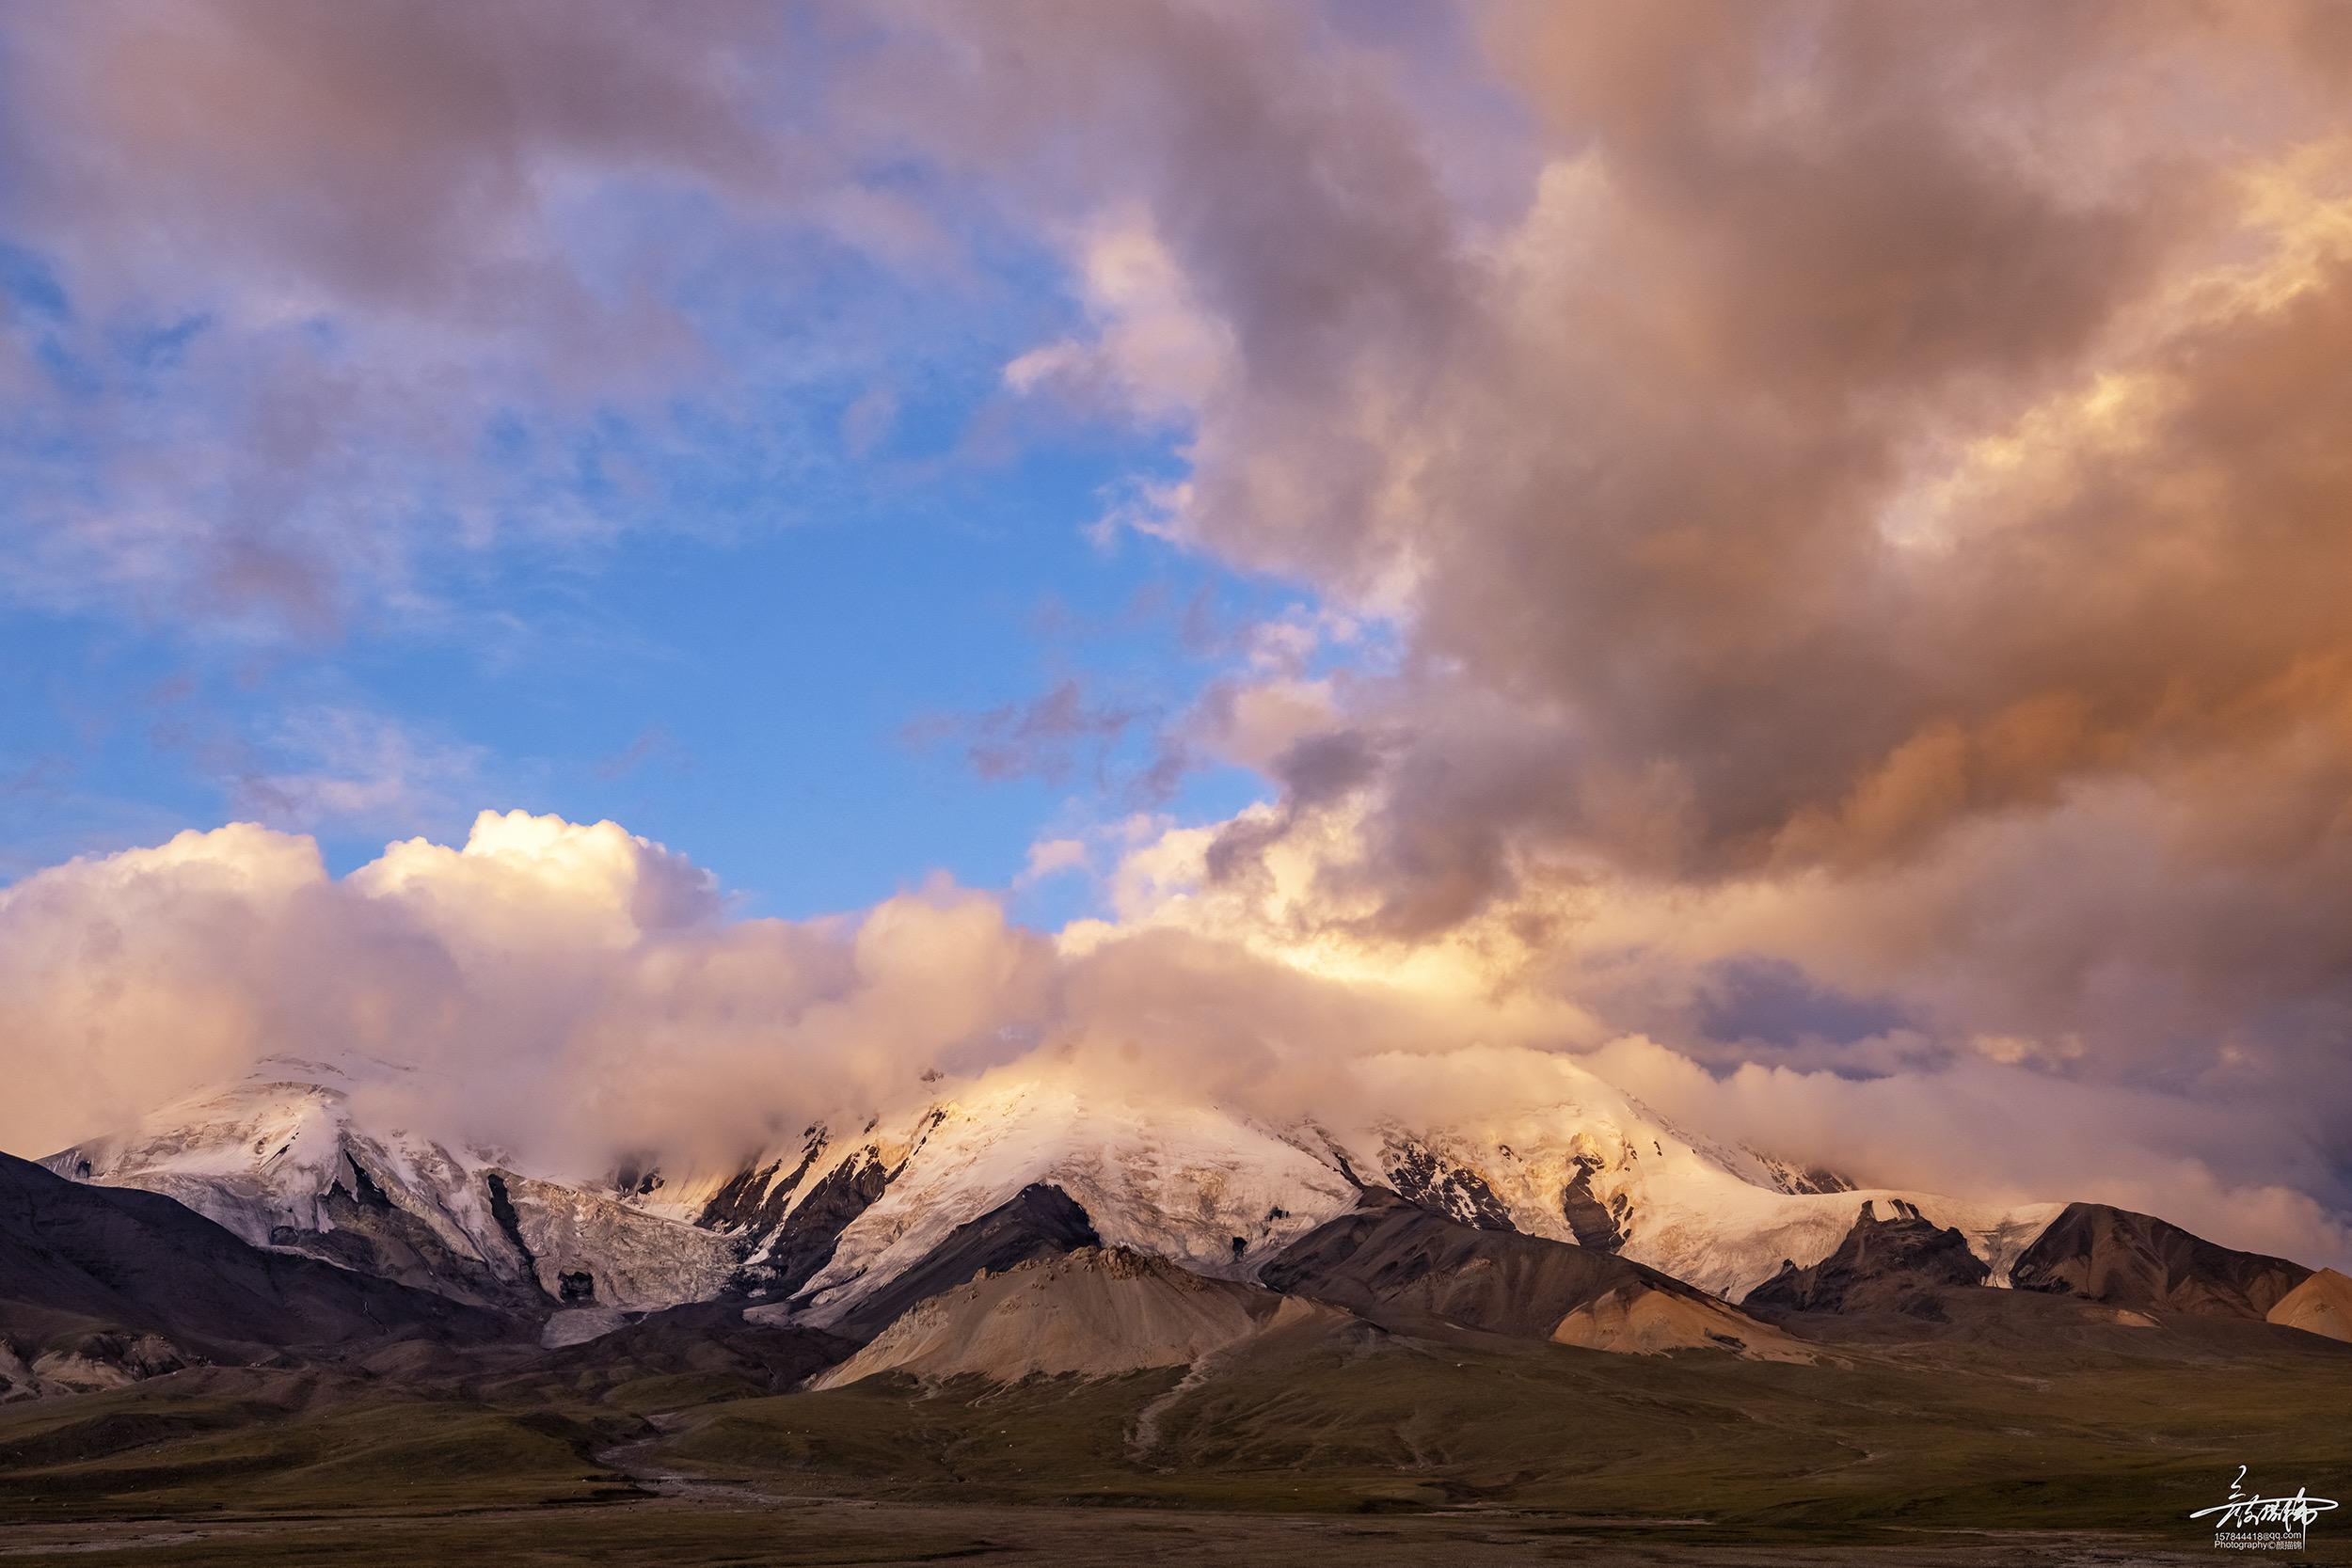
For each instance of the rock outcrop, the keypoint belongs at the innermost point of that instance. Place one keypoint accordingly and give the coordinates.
(1897, 1263)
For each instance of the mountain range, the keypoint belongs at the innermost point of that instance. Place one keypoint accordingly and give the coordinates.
(1201, 1284)
(845, 1231)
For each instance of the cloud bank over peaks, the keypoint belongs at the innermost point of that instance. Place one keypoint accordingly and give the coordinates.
(572, 993)
(1867, 502)
(568, 984)
(1849, 501)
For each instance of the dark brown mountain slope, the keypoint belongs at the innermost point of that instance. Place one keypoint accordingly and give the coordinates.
(2136, 1261)
(1037, 1222)
(99, 1277)
(1392, 1259)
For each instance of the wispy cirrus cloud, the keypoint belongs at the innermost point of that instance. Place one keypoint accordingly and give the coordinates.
(350, 769)
(296, 262)
(327, 316)
(1051, 735)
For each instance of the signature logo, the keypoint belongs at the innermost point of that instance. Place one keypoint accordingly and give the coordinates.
(2249, 1522)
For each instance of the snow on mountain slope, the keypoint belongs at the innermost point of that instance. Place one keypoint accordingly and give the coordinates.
(828, 1218)
(1220, 1192)
(264, 1155)
(587, 1248)
(282, 1160)
(1594, 1166)
(1199, 1185)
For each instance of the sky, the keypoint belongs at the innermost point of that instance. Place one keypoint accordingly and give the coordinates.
(1794, 550)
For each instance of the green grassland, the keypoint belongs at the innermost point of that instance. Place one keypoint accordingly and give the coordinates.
(2019, 1417)
(253, 1441)
(2111, 1439)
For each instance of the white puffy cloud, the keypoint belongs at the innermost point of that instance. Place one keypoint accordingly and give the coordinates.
(568, 987)
(571, 994)
(1053, 857)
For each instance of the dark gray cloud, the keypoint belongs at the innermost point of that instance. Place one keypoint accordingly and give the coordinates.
(1772, 1002)
(389, 151)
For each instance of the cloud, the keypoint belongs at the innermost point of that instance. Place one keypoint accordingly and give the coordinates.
(1854, 499)
(1641, 484)
(300, 256)
(1155, 353)
(341, 312)
(562, 988)
(2009, 1134)
(1048, 736)
(1254, 723)
(1053, 857)
(1867, 505)
(376, 153)
(654, 745)
(346, 767)
(570, 992)
(317, 765)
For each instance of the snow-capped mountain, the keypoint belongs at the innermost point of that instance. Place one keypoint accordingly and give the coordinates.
(285, 1159)
(1202, 1186)
(290, 1159)
(1598, 1168)
(1220, 1192)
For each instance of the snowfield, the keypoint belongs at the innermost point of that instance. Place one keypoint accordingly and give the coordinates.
(1201, 1184)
